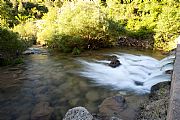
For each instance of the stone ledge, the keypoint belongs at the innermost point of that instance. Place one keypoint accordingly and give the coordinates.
(174, 102)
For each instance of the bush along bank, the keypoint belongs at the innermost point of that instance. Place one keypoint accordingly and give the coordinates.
(78, 26)
(82, 25)
(11, 47)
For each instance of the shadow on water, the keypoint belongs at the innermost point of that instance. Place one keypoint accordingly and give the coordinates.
(55, 80)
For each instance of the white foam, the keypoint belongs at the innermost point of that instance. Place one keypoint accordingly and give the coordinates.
(143, 69)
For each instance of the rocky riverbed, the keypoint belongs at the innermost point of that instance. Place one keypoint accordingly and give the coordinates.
(115, 108)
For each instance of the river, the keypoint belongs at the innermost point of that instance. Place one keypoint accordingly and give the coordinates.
(56, 79)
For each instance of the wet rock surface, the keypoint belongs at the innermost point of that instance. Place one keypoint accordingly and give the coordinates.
(157, 87)
(138, 83)
(169, 72)
(155, 108)
(114, 61)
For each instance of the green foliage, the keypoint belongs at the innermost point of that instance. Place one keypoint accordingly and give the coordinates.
(98, 25)
(34, 10)
(79, 26)
(10, 46)
(6, 14)
(168, 27)
(157, 21)
(13, 12)
(27, 32)
(66, 43)
(9, 41)
(76, 51)
(47, 27)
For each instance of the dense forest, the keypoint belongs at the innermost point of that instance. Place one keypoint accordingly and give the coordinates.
(75, 26)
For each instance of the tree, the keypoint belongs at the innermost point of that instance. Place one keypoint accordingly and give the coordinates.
(6, 14)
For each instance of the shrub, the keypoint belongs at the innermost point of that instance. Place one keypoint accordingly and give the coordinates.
(77, 26)
(157, 21)
(27, 32)
(80, 25)
(133, 17)
(48, 26)
(10, 45)
(7, 18)
(168, 28)
(86, 21)
(67, 43)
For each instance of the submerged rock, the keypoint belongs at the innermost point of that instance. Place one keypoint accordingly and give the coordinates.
(114, 107)
(138, 83)
(169, 72)
(78, 113)
(42, 111)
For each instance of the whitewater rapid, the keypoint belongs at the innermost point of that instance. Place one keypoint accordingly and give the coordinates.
(144, 70)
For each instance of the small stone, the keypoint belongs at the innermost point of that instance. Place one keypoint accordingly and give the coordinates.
(114, 62)
(78, 113)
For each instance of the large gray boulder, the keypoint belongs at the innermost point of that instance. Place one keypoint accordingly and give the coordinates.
(78, 113)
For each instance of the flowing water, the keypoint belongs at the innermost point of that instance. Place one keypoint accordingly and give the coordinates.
(64, 81)
(136, 73)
